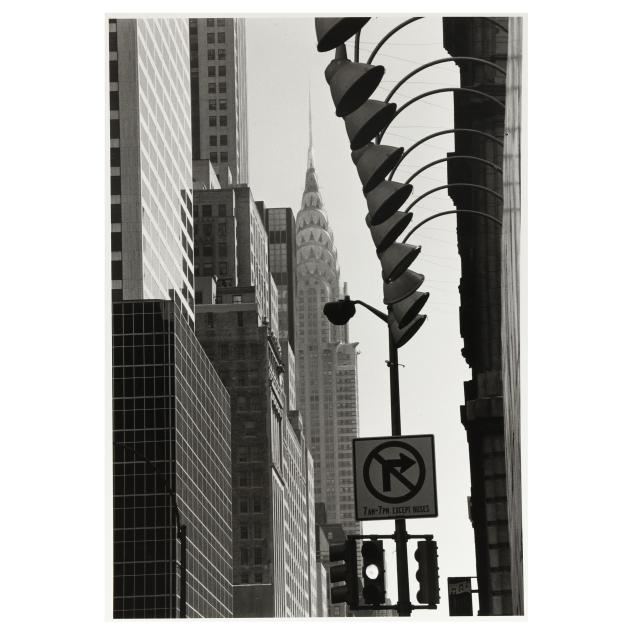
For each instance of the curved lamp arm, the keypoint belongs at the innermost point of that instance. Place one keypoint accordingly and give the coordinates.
(451, 211)
(443, 60)
(448, 185)
(451, 158)
(372, 309)
(438, 134)
(435, 92)
(389, 35)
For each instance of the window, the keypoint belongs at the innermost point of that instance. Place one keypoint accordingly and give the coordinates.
(222, 71)
(211, 38)
(207, 251)
(237, 299)
(257, 505)
(222, 229)
(244, 578)
(220, 22)
(222, 250)
(221, 38)
(207, 210)
(257, 530)
(243, 505)
(221, 54)
(222, 87)
(211, 88)
(212, 121)
(244, 556)
(222, 104)
(211, 54)
(222, 268)
(198, 297)
(213, 140)
(257, 555)
(223, 157)
(210, 320)
(212, 104)
(210, 21)
(244, 532)
(239, 319)
(223, 140)
(211, 71)
(223, 121)
(222, 209)
(213, 157)
(258, 577)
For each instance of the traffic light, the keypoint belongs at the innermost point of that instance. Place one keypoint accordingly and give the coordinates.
(374, 590)
(346, 573)
(428, 572)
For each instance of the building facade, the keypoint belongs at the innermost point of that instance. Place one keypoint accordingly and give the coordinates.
(152, 247)
(326, 363)
(171, 465)
(479, 244)
(219, 96)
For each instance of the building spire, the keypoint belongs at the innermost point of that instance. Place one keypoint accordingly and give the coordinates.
(310, 157)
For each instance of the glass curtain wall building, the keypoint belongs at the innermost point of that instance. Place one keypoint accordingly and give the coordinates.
(150, 161)
(171, 433)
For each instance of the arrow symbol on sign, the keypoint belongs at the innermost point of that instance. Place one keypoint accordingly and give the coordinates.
(396, 468)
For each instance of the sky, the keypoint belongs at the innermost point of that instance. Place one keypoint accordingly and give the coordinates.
(283, 67)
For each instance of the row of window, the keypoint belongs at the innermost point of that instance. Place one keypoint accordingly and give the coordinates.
(218, 121)
(220, 104)
(218, 157)
(216, 140)
(216, 38)
(222, 71)
(214, 54)
(211, 88)
(215, 21)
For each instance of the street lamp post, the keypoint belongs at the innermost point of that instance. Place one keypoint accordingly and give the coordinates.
(181, 528)
(339, 313)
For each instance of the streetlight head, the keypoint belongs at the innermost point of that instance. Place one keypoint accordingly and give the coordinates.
(402, 335)
(339, 312)
(387, 232)
(401, 287)
(396, 259)
(332, 32)
(365, 123)
(406, 310)
(385, 199)
(351, 84)
(374, 163)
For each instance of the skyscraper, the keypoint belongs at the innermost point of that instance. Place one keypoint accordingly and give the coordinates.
(326, 363)
(219, 96)
(150, 162)
(171, 455)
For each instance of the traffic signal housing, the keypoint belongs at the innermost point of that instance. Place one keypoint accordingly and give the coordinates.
(374, 589)
(427, 573)
(345, 572)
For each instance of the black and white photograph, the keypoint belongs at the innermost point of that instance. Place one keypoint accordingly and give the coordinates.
(315, 247)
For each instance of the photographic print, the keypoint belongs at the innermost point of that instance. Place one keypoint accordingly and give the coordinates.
(315, 251)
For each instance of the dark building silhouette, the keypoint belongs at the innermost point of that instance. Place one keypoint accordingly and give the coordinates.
(479, 244)
(171, 434)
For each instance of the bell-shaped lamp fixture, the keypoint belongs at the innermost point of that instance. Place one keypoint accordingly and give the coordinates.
(365, 123)
(403, 286)
(384, 234)
(374, 163)
(402, 335)
(339, 312)
(406, 310)
(396, 259)
(332, 32)
(385, 199)
(351, 83)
